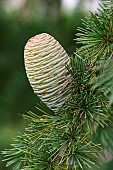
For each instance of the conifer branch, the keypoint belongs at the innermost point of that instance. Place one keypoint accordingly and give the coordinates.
(79, 127)
(97, 36)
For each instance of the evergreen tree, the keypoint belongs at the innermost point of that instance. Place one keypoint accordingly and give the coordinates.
(75, 127)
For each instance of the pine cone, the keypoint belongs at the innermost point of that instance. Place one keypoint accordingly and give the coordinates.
(45, 61)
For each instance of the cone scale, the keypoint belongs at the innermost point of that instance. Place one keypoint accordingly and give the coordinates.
(45, 61)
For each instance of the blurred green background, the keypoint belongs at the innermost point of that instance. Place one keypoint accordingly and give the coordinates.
(19, 20)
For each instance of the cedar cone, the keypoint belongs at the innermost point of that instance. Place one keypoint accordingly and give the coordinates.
(45, 61)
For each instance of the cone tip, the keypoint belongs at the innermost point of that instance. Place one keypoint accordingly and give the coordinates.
(38, 37)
